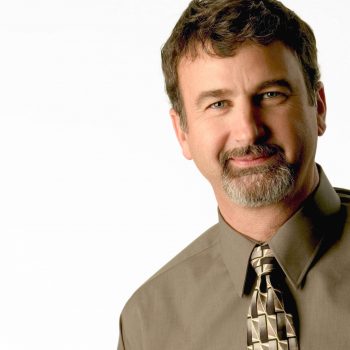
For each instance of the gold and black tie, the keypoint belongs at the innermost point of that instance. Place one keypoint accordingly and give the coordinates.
(269, 325)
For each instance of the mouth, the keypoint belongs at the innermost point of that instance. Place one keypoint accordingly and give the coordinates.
(250, 160)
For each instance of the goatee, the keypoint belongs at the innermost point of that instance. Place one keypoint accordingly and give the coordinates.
(260, 185)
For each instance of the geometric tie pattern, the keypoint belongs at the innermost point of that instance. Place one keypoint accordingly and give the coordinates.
(269, 325)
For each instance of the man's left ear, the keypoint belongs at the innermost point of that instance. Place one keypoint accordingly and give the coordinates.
(321, 108)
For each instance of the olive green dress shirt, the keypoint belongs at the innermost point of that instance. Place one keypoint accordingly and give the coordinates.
(200, 299)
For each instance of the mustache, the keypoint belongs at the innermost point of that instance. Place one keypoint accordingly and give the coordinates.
(265, 150)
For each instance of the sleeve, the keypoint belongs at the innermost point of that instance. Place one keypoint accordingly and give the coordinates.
(121, 345)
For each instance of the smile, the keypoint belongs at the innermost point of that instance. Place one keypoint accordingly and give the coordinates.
(250, 160)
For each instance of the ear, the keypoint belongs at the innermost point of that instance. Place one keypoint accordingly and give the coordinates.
(182, 136)
(321, 109)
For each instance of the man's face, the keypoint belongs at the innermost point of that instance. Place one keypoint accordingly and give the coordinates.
(251, 129)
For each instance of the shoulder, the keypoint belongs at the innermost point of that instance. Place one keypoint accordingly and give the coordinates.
(205, 241)
(195, 256)
(172, 295)
(204, 244)
(344, 195)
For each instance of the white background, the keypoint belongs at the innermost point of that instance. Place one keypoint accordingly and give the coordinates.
(94, 193)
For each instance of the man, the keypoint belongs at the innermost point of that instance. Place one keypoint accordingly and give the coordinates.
(247, 108)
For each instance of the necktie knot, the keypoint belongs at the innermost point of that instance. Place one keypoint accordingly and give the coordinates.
(262, 260)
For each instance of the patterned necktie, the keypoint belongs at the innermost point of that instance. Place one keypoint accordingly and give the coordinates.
(269, 326)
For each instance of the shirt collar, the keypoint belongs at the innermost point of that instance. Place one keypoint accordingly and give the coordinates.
(236, 250)
(295, 244)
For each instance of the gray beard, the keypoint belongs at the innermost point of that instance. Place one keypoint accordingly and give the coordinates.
(261, 185)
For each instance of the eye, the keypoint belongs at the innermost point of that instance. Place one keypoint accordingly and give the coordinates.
(271, 94)
(218, 105)
(270, 98)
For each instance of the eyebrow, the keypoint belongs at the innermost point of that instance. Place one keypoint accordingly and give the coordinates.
(218, 93)
(275, 82)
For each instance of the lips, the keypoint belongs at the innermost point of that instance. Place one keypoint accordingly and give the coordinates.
(250, 160)
(250, 156)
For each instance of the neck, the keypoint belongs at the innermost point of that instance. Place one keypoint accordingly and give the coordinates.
(261, 223)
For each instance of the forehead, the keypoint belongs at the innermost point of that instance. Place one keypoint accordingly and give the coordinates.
(250, 65)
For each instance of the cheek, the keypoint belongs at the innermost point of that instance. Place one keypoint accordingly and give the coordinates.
(298, 141)
(206, 144)
(294, 144)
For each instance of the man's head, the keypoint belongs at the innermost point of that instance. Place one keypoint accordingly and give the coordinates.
(247, 102)
(220, 27)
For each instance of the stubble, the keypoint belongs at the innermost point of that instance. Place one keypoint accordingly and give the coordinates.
(259, 185)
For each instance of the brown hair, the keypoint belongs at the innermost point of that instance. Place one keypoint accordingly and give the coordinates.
(221, 26)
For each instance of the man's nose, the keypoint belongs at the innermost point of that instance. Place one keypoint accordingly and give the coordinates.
(247, 128)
